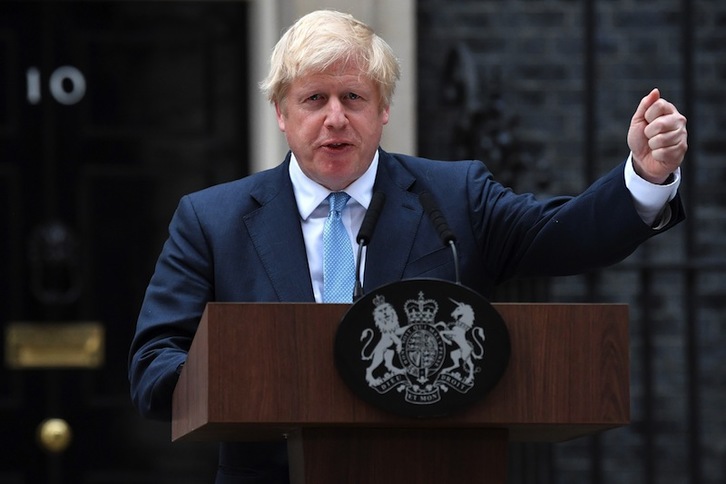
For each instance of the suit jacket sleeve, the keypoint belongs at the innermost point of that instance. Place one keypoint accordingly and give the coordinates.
(562, 235)
(173, 304)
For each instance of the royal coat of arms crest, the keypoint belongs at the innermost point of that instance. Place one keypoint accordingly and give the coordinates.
(422, 347)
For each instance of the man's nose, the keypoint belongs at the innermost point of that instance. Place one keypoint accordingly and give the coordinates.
(335, 116)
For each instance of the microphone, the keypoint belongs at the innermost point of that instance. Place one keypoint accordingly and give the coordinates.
(445, 234)
(364, 236)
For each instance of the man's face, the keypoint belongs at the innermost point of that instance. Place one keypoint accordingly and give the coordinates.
(333, 122)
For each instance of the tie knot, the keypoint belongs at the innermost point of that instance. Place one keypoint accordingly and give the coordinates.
(337, 201)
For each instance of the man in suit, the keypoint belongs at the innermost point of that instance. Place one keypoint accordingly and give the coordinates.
(260, 238)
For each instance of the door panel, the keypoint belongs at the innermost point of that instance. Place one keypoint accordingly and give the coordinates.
(109, 112)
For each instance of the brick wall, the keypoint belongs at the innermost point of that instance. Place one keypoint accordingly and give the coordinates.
(537, 49)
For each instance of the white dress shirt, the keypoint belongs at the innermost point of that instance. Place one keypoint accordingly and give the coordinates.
(313, 207)
(651, 200)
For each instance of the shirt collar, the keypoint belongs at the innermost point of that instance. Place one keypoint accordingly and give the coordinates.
(310, 194)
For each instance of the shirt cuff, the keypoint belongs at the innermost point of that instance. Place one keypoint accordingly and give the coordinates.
(651, 200)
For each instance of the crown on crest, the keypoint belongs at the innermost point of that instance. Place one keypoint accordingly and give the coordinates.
(421, 310)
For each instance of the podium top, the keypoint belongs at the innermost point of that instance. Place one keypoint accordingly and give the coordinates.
(263, 370)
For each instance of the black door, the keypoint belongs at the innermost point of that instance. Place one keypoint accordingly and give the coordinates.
(109, 112)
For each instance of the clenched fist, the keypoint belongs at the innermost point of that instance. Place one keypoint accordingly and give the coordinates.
(657, 137)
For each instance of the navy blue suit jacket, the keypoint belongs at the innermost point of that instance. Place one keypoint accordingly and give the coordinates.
(242, 241)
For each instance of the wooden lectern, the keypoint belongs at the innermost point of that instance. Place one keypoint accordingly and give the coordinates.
(266, 371)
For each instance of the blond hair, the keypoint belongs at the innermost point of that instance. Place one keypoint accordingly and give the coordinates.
(322, 39)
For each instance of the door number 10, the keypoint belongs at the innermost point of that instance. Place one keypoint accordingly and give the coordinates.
(66, 84)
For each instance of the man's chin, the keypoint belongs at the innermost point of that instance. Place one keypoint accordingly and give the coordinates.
(338, 180)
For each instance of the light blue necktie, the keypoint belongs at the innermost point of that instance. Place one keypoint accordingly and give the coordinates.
(338, 262)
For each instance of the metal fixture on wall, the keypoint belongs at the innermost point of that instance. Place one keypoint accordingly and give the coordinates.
(54, 264)
(484, 128)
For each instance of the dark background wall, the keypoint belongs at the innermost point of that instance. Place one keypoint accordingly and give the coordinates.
(559, 82)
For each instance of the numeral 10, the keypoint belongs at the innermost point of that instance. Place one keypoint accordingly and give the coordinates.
(66, 84)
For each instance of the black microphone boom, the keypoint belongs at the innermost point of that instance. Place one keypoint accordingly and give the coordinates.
(437, 218)
(371, 218)
(364, 236)
(429, 206)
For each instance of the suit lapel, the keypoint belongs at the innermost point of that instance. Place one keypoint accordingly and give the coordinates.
(282, 249)
(276, 234)
(395, 233)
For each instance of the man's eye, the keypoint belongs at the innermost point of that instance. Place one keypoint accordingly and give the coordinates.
(353, 95)
(314, 97)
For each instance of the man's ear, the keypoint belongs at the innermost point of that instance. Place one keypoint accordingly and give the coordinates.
(385, 114)
(279, 112)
